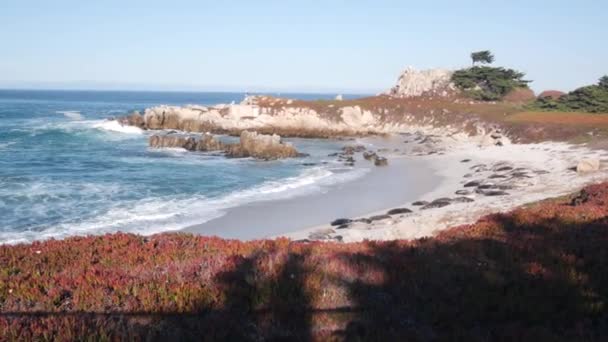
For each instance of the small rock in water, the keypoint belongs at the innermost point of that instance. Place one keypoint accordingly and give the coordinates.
(465, 160)
(398, 211)
(341, 221)
(463, 192)
(504, 168)
(369, 155)
(381, 161)
(495, 176)
(364, 220)
(472, 184)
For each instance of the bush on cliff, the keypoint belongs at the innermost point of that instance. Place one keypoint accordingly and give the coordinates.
(538, 273)
(487, 83)
(590, 99)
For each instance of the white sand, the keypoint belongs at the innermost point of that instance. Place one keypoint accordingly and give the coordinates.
(556, 158)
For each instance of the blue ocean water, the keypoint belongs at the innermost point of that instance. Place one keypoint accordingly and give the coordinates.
(65, 170)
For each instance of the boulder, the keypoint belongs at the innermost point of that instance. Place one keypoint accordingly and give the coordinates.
(420, 203)
(251, 144)
(588, 165)
(379, 217)
(438, 203)
(340, 221)
(135, 119)
(261, 146)
(380, 161)
(370, 155)
(398, 211)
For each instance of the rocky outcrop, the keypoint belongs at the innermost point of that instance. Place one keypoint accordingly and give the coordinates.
(432, 82)
(261, 146)
(251, 144)
(204, 143)
(588, 165)
(135, 119)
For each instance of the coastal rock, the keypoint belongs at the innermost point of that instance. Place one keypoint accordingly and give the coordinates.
(340, 221)
(370, 155)
(463, 192)
(412, 83)
(472, 184)
(420, 203)
(398, 211)
(380, 161)
(135, 119)
(251, 144)
(379, 217)
(261, 146)
(493, 193)
(588, 165)
(581, 198)
(173, 141)
(462, 200)
(438, 203)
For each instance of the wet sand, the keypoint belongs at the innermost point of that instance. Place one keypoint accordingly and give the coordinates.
(403, 180)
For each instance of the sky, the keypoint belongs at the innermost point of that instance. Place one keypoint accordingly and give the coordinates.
(313, 46)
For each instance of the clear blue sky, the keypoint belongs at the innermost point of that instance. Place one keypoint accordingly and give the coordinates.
(286, 45)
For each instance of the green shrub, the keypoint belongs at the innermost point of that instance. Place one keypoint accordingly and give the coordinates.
(591, 99)
(488, 83)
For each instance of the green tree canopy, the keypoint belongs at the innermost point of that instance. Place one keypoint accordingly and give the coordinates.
(487, 83)
(484, 57)
(603, 82)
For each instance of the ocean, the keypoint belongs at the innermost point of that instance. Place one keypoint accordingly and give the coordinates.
(66, 170)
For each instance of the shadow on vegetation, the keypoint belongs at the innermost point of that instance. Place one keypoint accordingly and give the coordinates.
(503, 279)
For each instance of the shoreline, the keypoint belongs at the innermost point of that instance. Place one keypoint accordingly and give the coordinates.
(547, 169)
(407, 179)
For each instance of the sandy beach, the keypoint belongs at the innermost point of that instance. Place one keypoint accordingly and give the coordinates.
(457, 178)
(513, 175)
(403, 180)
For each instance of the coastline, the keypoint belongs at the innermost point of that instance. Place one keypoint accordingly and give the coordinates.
(404, 179)
(549, 173)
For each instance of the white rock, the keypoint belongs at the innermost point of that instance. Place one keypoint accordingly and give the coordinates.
(588, 165)
(413, 83)
(339, 97)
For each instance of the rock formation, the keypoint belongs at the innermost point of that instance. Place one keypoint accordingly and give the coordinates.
(261, 146)
(412, 83)
(135, 119)
(588, 165)
(252, 144)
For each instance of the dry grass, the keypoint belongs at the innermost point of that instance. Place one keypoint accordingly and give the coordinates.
(561, 118)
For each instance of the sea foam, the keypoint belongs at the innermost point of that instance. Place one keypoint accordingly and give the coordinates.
(71, 114)
(115, 126)
(174, 212)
